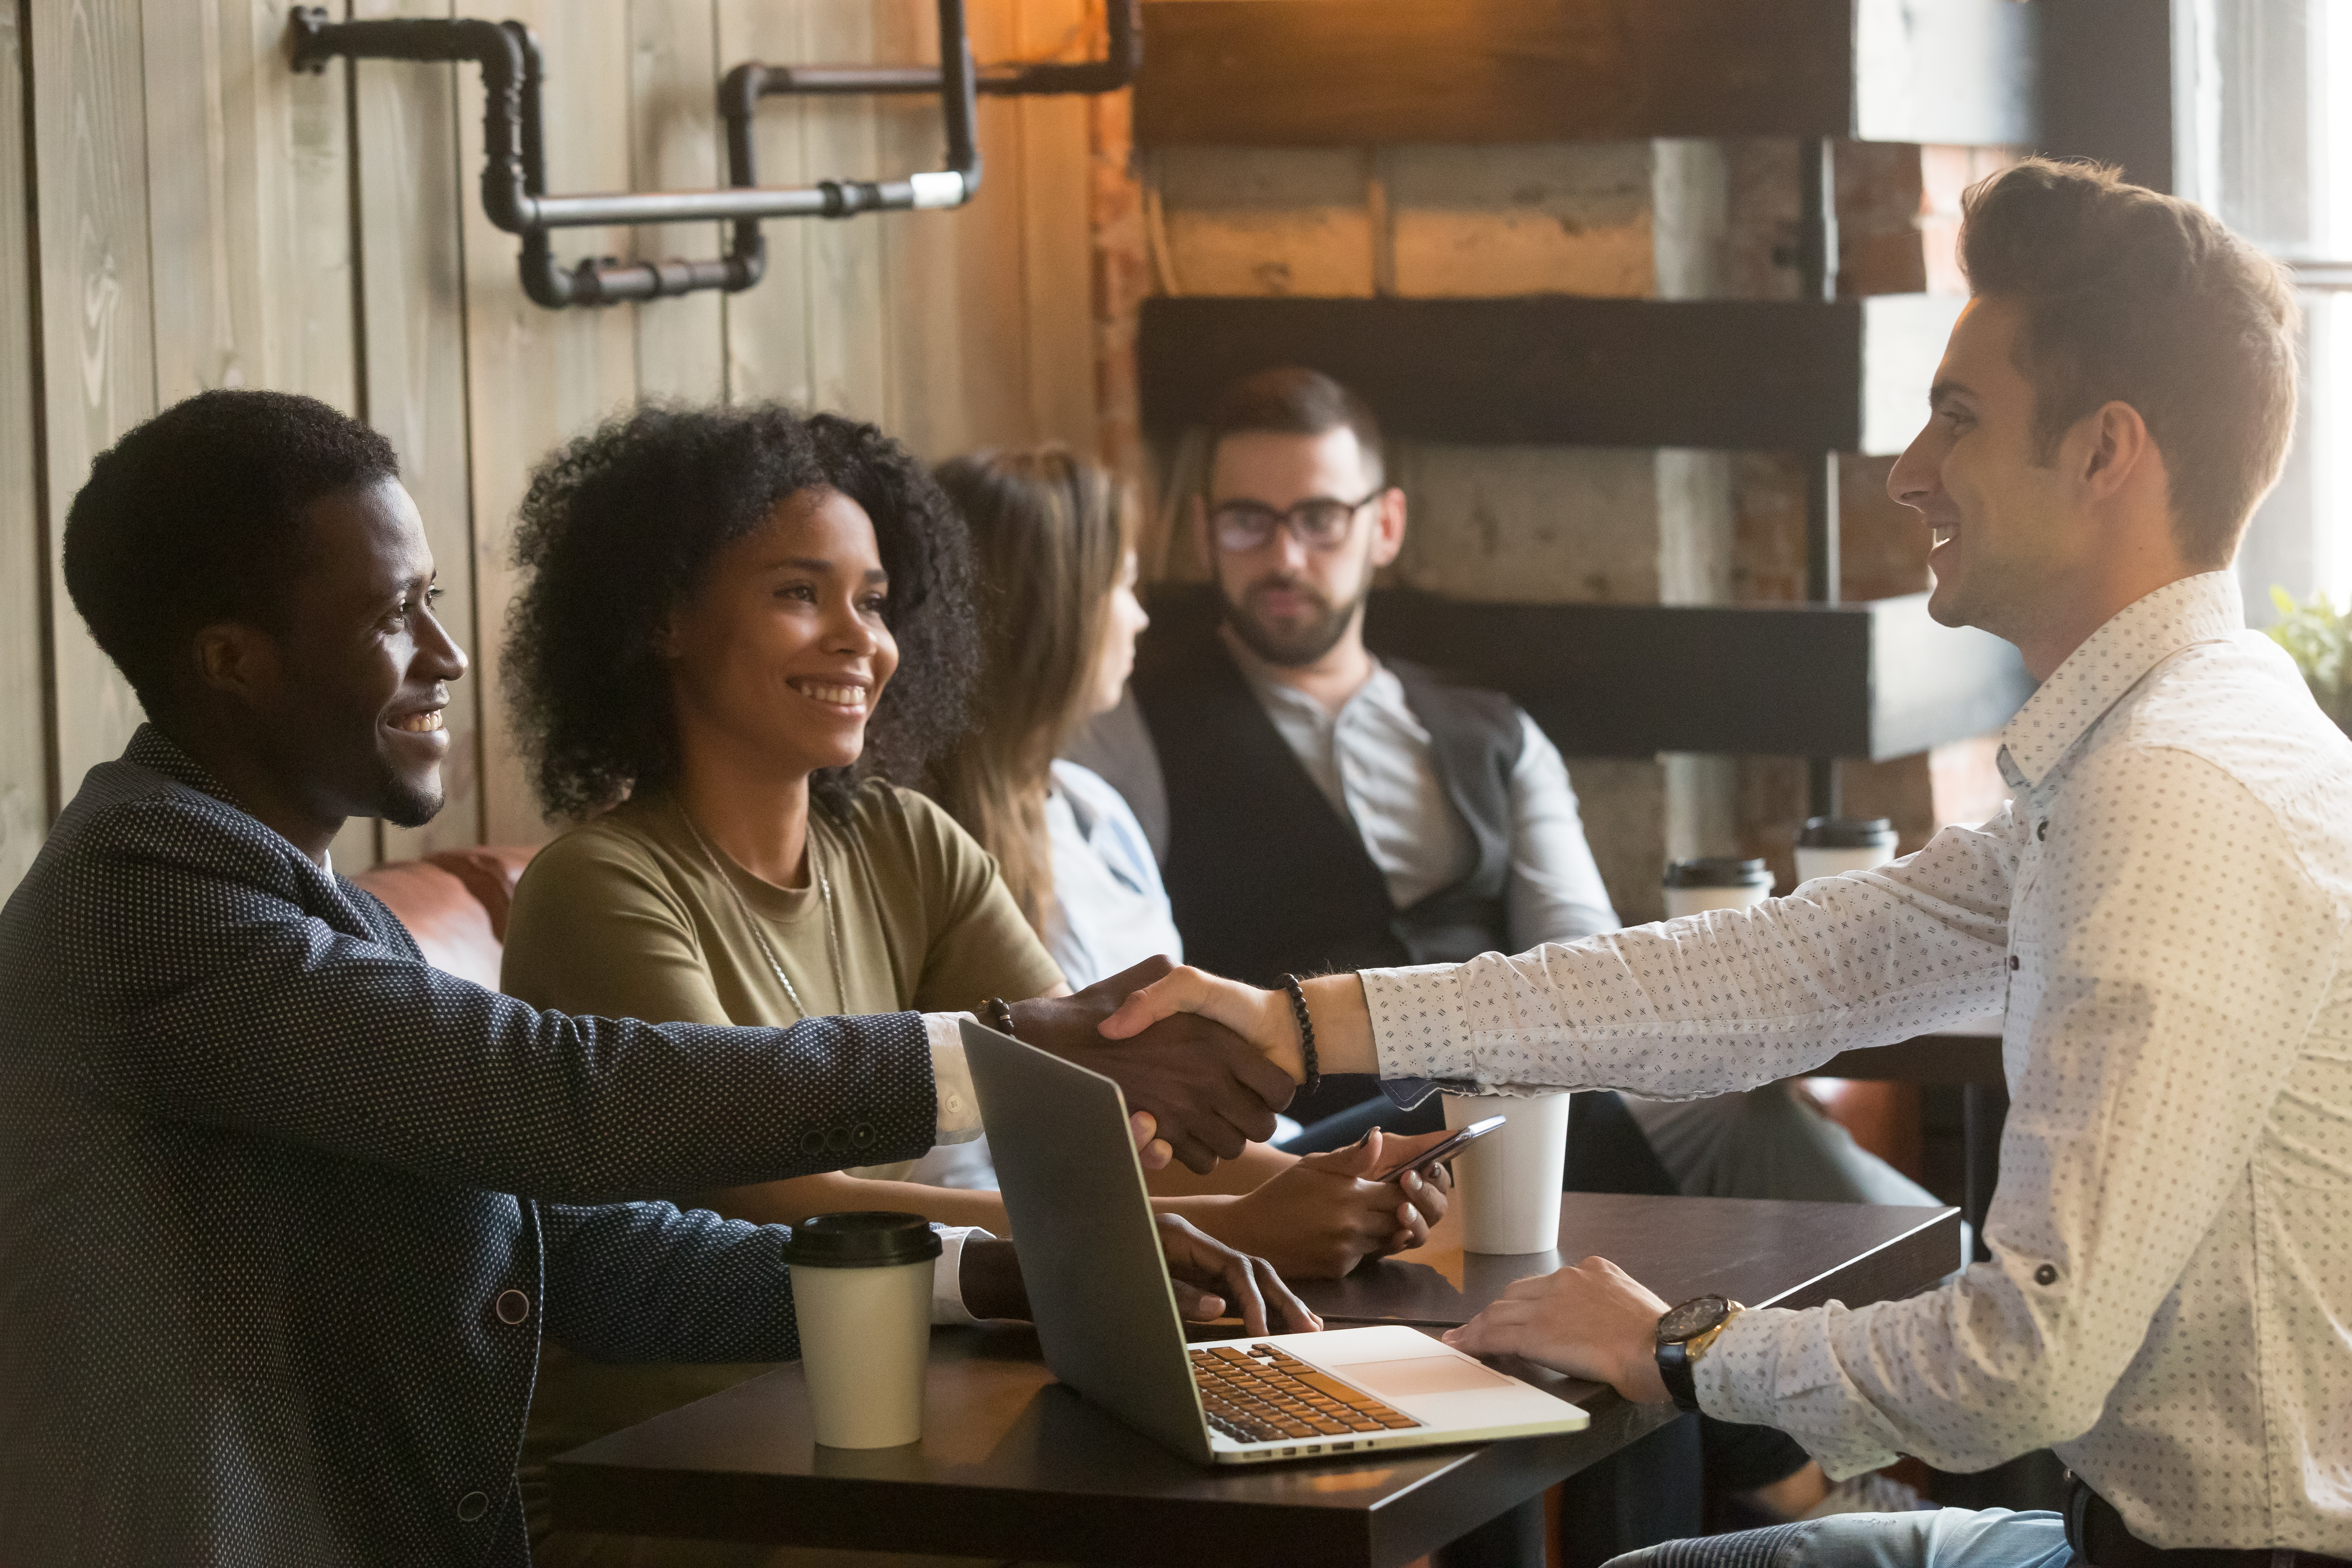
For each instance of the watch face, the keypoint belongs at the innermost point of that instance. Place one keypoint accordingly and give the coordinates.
(1695, 1315)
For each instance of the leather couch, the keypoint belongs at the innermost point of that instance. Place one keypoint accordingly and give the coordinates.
(454, 904)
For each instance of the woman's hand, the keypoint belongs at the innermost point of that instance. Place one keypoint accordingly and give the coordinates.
(1213, 1281)
(1322, 1216)
(1592, 1319)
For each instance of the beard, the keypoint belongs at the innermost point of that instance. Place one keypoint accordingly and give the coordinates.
(1290, 647)
(405, 801)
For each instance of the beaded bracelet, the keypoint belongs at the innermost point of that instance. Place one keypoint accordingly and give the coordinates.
(1000, 1016)
(1306, 1035)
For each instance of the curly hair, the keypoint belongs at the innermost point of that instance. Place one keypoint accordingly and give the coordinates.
(619, 527)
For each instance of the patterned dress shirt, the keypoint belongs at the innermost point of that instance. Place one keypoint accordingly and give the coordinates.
(2165, 911)
(284, 1211)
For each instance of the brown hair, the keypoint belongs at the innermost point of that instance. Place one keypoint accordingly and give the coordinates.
(2130, 296)
(1049, 533)
(1294, 401)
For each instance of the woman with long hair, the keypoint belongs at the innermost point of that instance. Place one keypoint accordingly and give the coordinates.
(738, 628)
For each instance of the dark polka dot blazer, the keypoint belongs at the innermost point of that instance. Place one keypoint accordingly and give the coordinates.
(284, 1211)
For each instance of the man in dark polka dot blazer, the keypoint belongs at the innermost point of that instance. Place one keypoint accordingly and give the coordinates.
(283, 1211)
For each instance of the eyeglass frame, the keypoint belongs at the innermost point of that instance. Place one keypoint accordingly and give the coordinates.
(1286, 516)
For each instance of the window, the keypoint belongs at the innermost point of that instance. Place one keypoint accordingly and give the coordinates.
(2263, 137)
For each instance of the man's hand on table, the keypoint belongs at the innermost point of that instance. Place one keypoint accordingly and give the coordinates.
(1211, 1280)
(1592, 1319)
(1207, 1091)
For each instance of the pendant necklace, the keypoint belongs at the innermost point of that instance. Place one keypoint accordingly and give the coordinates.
(824, 892)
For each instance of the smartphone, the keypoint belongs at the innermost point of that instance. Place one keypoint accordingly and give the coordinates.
(1444, 1149)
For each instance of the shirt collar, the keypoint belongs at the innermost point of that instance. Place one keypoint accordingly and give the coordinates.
(152, 749)
(1259, 673)
(2110, 662)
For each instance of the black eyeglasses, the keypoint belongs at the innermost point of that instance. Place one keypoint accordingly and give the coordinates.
(1319, 522)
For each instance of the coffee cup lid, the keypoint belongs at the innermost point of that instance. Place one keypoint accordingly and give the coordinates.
(862, 1239)
(1847, 833)
(1718, 871)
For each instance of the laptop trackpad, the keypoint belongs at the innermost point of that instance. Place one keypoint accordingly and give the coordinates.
(1422, 1375)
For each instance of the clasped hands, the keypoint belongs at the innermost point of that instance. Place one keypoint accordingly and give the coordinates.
(1213, 1060)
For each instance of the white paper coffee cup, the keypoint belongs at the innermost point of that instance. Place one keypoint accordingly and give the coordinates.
(861, 1289)
(1828, 845)
(1507, 1182)
(1716, 882)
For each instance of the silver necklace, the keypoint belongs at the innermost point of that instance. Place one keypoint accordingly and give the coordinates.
(824, 892)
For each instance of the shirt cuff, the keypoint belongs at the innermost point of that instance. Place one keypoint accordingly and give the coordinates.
(947, 1274)
(1773, 1367)
(958, 1116)
(1423, 1037)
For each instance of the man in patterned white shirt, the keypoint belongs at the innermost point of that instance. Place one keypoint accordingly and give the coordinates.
(2164, 909)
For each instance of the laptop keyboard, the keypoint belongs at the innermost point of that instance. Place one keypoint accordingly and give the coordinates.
(1264, 1396)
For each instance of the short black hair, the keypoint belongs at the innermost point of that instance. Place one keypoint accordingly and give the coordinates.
(620, 526)
(1292, 400)
(194, 518)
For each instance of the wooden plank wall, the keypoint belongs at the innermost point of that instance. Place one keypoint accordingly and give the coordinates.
(204, 217)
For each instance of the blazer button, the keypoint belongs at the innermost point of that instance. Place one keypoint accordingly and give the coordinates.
(811, 1142)
(512, 1307)
(862, 1135)
(472, 1506)
(837, 1140)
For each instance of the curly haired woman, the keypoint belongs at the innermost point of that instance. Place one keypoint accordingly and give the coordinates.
(738, 625)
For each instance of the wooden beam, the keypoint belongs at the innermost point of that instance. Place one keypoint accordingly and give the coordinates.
(1847, 375)
(1367, 72)
(1878, 679)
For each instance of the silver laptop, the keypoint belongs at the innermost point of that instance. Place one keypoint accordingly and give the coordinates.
(1098, 1290)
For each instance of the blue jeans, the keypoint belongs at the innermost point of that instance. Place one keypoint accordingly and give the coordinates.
(1943, 1538)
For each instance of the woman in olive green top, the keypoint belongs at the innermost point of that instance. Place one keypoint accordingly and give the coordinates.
(717, 602)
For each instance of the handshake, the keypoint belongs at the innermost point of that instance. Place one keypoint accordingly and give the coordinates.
(1204, 1063)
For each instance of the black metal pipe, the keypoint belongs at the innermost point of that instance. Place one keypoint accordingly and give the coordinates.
(514, 167)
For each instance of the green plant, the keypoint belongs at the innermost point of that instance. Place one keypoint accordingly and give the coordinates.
(2318, 637)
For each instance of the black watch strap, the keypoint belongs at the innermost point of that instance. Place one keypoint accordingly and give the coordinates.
(1675, 1372)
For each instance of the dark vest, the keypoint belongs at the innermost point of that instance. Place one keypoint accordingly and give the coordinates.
(1265, 875)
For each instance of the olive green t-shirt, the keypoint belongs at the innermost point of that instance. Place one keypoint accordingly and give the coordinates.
(630, 916)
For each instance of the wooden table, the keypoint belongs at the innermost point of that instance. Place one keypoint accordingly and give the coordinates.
(1015, 1465)
(1970, 1056)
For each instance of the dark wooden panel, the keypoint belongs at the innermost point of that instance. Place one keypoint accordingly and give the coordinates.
(2107, 86)
(1353, 72)
(1629, 681)
(1550, 369)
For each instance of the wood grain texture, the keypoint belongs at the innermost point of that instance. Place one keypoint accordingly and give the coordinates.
(98, 318)
(249, 173)
(849, 327)
(412, 196)
(675, 143)
(25, 804)
(1057, 245)
(538, 377)
(767, 328)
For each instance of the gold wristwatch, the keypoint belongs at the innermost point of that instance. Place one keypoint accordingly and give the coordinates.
(1683, 1335)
